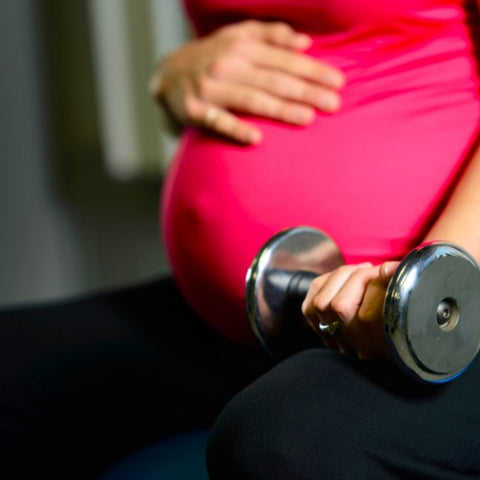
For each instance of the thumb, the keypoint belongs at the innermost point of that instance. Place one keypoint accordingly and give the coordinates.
(371, 308)
(387, 270)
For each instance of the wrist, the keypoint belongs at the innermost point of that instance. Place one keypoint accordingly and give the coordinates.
(165, 116)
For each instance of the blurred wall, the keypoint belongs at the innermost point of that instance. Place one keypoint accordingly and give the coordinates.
(66, 227)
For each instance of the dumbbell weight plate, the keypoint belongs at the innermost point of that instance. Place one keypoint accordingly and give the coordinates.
(307, 249)
(431, 312)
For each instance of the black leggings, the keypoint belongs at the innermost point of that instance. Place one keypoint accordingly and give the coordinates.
(86, 381)
(322, 415)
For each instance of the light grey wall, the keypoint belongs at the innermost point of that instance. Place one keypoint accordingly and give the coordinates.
(65, 228)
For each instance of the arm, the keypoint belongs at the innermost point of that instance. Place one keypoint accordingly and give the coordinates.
(459, 222)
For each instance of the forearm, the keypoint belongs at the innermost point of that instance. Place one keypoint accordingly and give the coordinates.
(459, 222)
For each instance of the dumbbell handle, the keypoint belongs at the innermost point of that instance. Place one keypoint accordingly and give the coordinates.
(285, 290)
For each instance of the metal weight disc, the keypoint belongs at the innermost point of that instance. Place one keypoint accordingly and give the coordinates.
(432, 310)
(279, 330)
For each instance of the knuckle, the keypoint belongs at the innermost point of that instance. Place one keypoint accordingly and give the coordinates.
(204, 87)
(344, 269)
(359, 273)
(236, 46)
(229, 30)
(249, 24)
(317, 282)
(219, 67)
(321, 303)
(240, 30)
(367, 264)
(279, 31)
(365, 271)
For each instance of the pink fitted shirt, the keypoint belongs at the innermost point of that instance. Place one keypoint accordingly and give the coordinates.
(374, 175)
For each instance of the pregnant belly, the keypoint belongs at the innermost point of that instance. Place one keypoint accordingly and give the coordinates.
(372, 176)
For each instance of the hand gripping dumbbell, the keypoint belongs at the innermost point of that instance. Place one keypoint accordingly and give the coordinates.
(431, 310)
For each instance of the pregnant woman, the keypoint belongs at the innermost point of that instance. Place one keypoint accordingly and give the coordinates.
(359, 118)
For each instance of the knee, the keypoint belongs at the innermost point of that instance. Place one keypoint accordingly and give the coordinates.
(280, 426)
(248, 444)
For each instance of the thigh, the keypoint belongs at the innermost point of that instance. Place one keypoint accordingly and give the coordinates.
(322, 415)
(84, 381)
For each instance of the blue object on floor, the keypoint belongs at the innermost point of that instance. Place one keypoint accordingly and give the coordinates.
(178, 458)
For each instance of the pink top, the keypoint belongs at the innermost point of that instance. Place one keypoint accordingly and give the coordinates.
(373, 175)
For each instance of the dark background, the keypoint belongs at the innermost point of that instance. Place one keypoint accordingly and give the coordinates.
(66, 225)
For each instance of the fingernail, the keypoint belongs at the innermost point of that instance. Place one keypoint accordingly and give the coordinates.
(334, 79)
(384, 270)
(329, 102)
(303, 40)
(254, 137)
(302, 116)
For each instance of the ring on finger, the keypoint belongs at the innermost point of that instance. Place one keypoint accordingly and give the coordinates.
(210, 116)
(329, 328)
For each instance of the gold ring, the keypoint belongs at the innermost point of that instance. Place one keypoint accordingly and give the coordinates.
(330, 328)
(210, 116)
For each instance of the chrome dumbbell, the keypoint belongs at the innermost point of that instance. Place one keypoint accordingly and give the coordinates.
(431, 308)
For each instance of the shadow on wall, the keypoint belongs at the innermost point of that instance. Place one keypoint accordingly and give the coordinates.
(66, 227)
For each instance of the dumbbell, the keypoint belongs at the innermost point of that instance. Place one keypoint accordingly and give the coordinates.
(431, 310)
